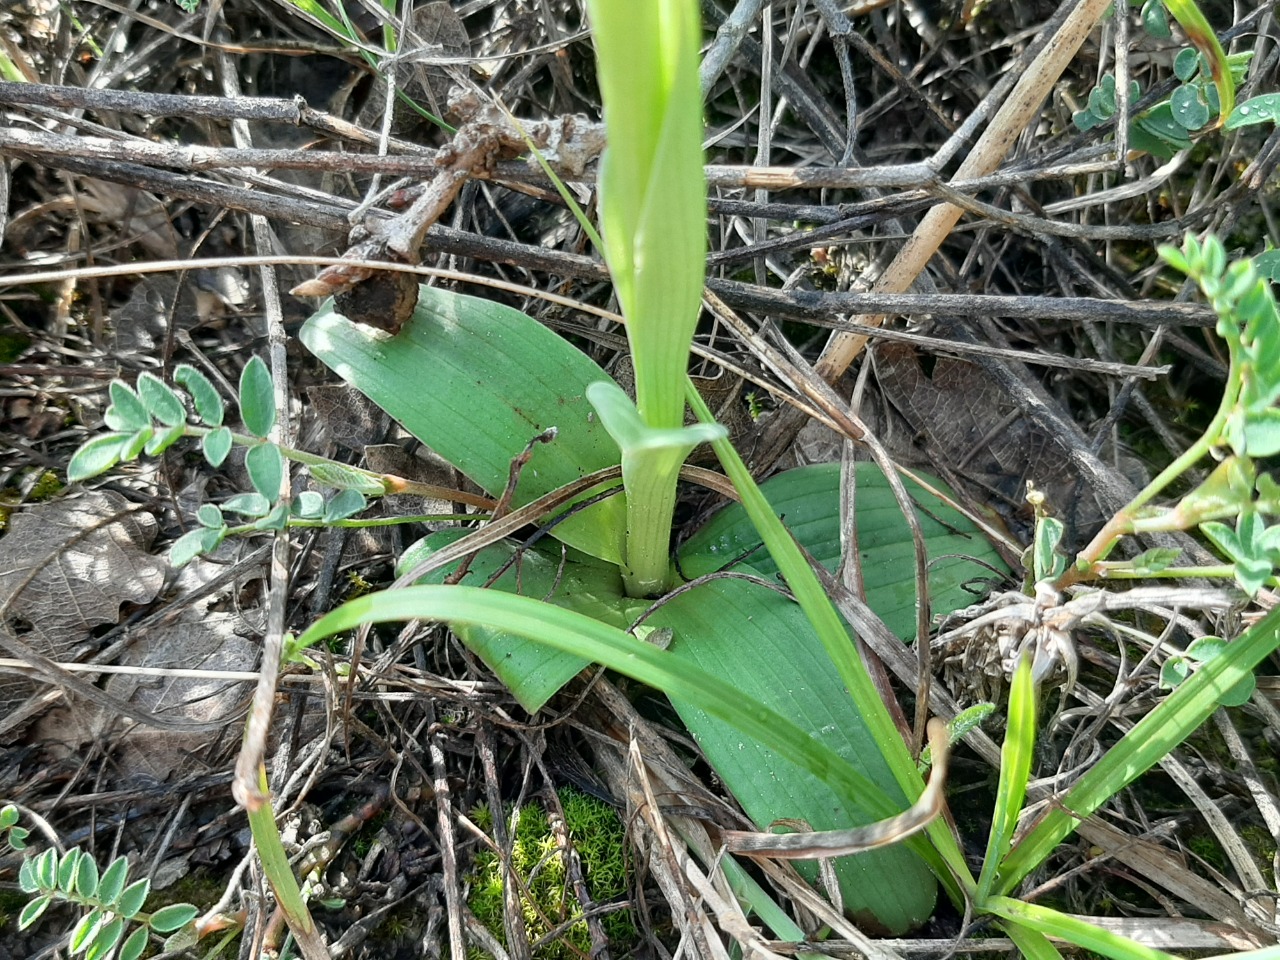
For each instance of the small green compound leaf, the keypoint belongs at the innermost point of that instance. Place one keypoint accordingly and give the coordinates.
(27, 882)
(133, 897)
(248, 505)
(266, 469)
(1086, 120)
(1156, 559)
(203, 393)
(216, 445)
(1186, 63)
(105, 940)
(135, 944)
(1155, 21)
(210, 516)
(345, 503)
(126, 409)
(257, 398)
(173, 917)
(309, 505)
(46, 872)
(67, 870)
(193, 543)
(1203, 649)
(1263, 109)
(163, 440)
(346, 478)
(32, 911)
(87, 928)
(113, 880)
(1188, 109)
(131, 448)
(96, 456)
(277, 519)
(160, 400)
(18, 838)
(87, 877)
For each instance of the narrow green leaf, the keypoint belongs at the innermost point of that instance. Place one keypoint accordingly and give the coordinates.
(96, 456)
(160, 400)
(1048, 562)
(87, 876)
(257, 398)
(1073, 930)
(170, 918)
(204, 395)
(1162, 729)
(497, 380)
(266, 469)
(592, 640)
(1015, 770)
(113, 880)
(529, 670)
(32, 911)
(1032, 944)
(347, 478)
(133, 897)
(105, 940)
(135, 944)
(216, 445)
(345, 503)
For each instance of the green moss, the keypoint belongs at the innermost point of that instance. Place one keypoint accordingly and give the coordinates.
(600, 840)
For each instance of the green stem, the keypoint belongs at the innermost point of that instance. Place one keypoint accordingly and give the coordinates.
(275, 864)
(1125, 521)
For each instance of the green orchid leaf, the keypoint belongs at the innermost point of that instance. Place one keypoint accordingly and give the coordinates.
(476, 381)
(761, 642)
(1015, 769)
(532, 672)
(807, 499)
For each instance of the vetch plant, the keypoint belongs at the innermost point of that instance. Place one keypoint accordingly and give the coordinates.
(110, 903)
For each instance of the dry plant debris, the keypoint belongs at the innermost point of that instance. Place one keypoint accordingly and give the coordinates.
(1041, 344)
